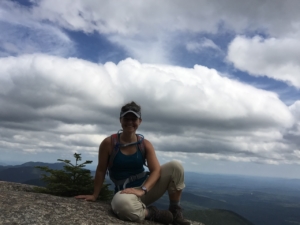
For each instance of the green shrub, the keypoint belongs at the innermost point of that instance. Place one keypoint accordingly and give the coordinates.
(71, 181)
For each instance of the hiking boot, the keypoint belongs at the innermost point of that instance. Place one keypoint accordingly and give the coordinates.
(178, 219)
(159, 216)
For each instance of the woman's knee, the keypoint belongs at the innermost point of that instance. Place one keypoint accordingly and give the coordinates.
(128, 207)
(175, 169)
(177, 166)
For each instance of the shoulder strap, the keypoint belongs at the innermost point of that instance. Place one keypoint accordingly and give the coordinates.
(141, 147)
(115, 149)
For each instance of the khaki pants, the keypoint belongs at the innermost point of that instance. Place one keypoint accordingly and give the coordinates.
(132, 208)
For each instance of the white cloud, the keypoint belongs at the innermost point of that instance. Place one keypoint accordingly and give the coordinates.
(59, 104)
(123, 17)
(275, 58)
(201, 45)
(151, 17)
(152, 50)
(293, 134)
(21, 33)
(295, 110)
(149, 30)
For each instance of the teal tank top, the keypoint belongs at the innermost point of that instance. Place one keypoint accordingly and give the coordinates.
(125, 166)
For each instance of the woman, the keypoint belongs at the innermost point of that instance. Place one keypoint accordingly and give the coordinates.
(124, 155)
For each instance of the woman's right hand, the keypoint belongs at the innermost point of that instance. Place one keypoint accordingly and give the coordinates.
(86, 197)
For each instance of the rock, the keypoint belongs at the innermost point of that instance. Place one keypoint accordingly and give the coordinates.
(18, 205)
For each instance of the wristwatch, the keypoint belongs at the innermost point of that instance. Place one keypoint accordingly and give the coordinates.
(145, 190)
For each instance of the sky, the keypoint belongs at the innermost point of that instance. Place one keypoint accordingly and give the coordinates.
(218, 81)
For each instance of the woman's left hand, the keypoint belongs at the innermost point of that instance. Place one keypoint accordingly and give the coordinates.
(135, 191)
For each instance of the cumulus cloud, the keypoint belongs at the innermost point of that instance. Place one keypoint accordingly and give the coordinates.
(277, 58)
(54, 103)
(295, 109)
(293, 134)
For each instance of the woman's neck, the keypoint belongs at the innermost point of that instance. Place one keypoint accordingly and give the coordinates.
(128, 137)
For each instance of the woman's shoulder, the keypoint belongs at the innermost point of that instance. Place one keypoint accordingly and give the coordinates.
(106, 141)
(147, 144)
(106, 145)
(146, 141)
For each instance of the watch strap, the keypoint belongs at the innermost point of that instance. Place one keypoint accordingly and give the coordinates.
(145, 190)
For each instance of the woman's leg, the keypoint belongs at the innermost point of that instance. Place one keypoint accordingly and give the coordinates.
(132, 208)
(171, 180)
(128, 207)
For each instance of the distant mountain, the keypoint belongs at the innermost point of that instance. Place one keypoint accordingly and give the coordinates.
(19, 174)
(2, 168)
(193, 201)
(216, 217)
(261, 200)
(7, 163)
(54, 166)
(5, 167)
(205, 210)
(26, 173)
(33, 164)
(204, 201)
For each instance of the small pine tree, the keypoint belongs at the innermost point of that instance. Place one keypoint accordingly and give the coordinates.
(72, 180)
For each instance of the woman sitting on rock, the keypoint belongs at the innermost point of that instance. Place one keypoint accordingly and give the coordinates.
(124, 155)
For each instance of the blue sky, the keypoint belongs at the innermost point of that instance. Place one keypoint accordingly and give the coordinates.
(218, 82)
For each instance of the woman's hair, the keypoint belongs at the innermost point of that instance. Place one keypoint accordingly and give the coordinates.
(131, 106)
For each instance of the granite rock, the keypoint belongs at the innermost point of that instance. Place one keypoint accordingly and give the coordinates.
(19, 205)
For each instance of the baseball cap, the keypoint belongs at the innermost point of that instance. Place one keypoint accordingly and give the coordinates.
(131, 109)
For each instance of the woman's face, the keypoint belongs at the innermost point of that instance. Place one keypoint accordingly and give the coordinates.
(130, 122)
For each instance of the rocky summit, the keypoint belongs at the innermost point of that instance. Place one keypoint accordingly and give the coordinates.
(19, 205)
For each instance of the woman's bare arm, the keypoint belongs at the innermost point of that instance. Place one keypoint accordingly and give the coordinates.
(153, 165)
(103, 155)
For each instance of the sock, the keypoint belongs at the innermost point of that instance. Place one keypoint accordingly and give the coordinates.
(149, 214)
